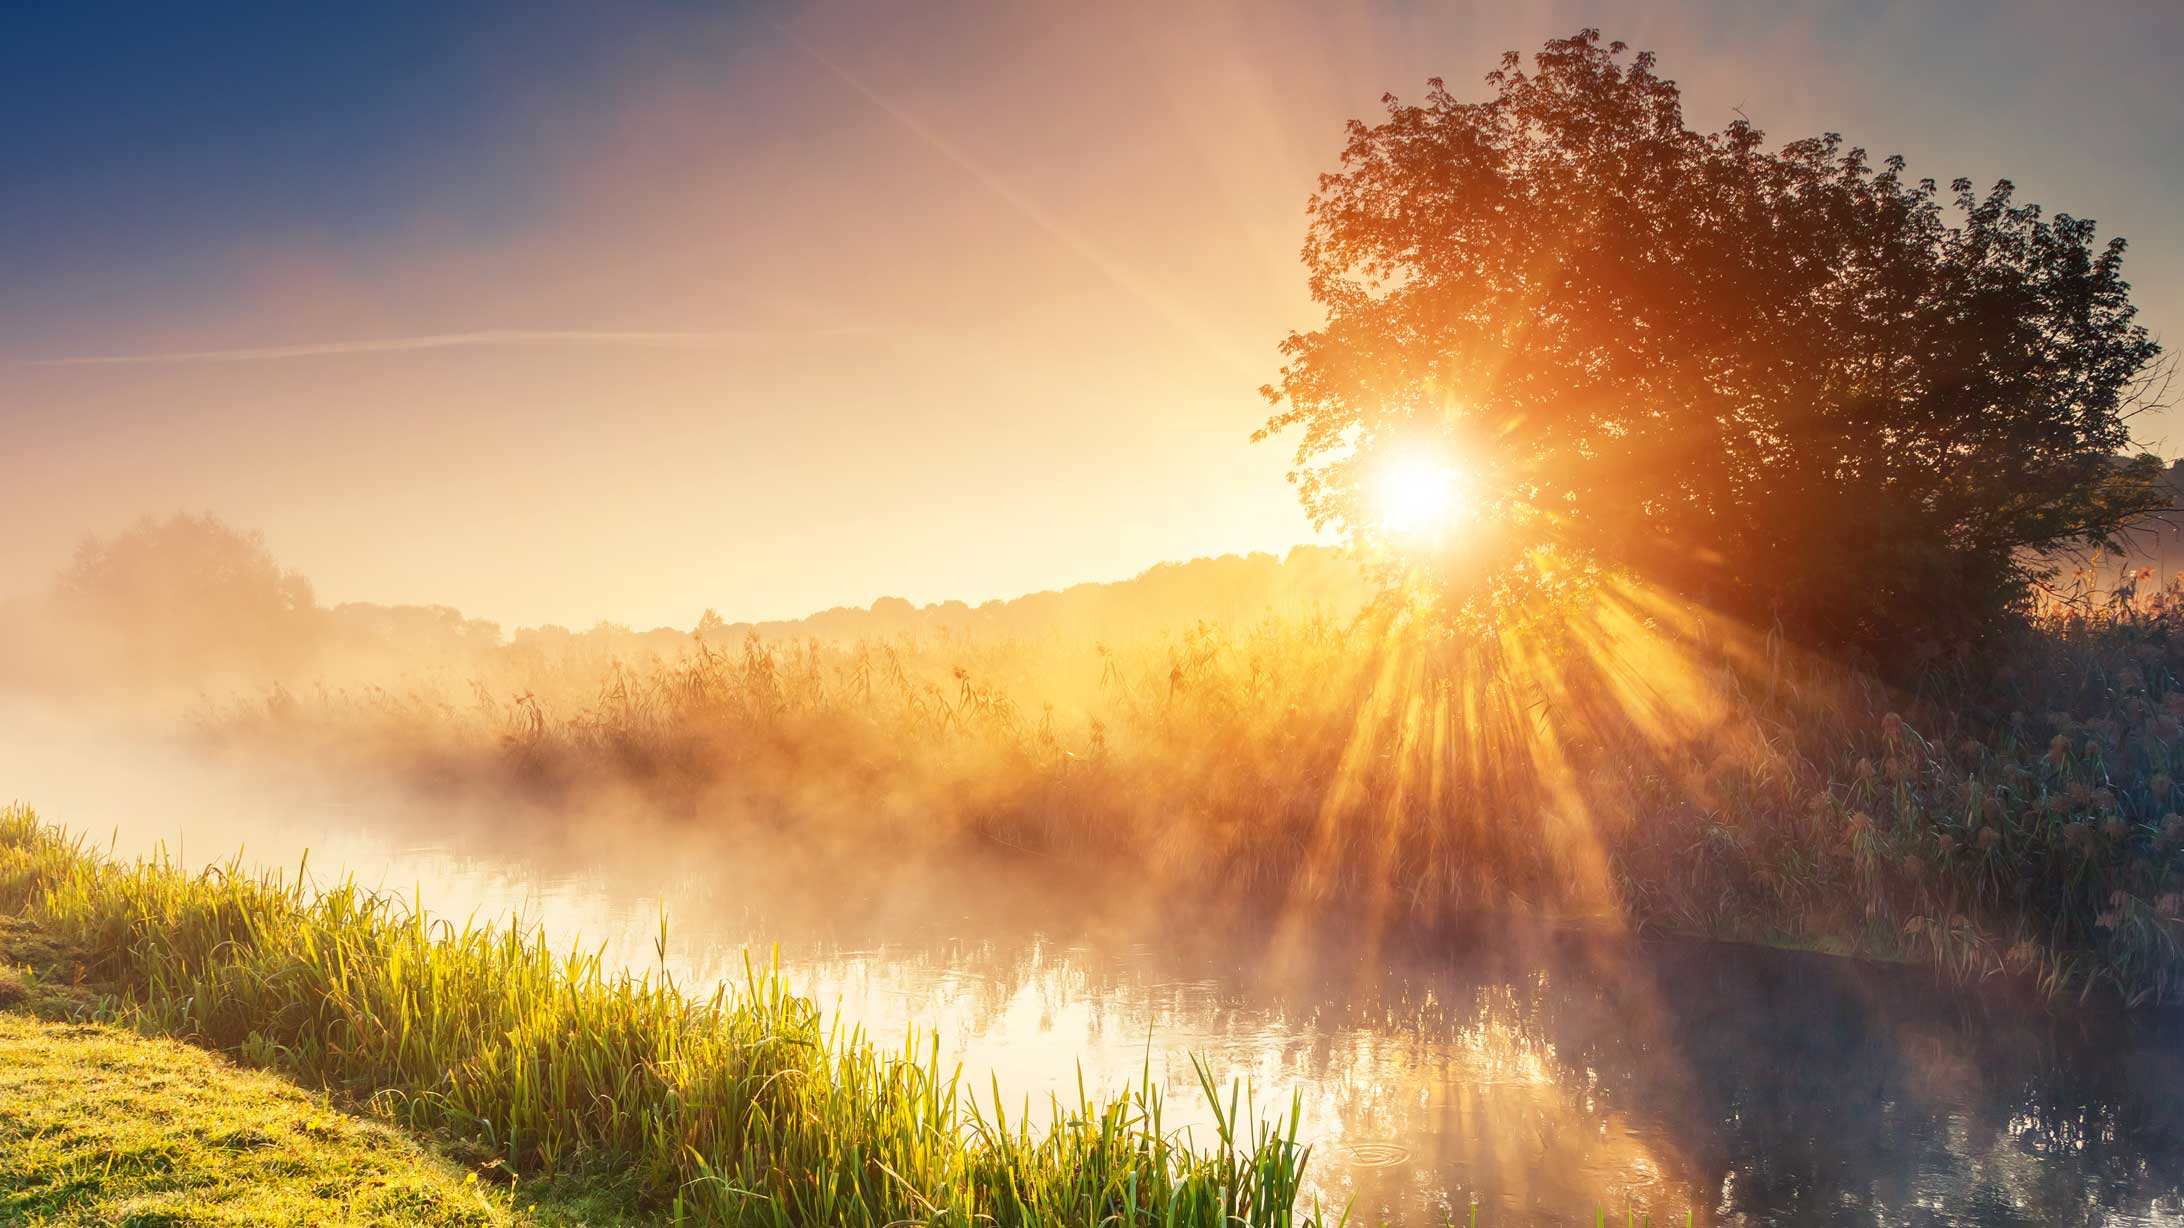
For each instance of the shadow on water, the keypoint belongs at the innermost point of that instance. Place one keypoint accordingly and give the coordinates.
(1539, 1074)
(1542, 1077)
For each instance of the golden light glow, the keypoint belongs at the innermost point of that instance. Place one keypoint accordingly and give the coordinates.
(1420, 496)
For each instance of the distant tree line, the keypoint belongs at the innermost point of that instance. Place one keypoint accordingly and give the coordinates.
(189, 601)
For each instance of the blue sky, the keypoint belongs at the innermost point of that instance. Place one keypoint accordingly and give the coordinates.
(150, 142)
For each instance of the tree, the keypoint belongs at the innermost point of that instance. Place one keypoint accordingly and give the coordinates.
(1791, 384)
(189, 596)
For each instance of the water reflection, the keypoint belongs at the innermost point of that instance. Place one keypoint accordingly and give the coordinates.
(1539, 1075)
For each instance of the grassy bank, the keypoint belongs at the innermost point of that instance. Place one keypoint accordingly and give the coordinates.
(738, 1107)
(100, 1125)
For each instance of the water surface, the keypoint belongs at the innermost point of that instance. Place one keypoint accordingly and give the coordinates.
(1537, 1075)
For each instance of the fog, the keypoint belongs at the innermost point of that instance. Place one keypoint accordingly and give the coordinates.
(1536, 1073)
(1076, 841)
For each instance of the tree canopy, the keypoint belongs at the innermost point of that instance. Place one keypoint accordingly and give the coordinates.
(1791, 383)
(187, 593)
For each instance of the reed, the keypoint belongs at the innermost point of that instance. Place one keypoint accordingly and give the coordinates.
(737, 1106)
(2010, 810)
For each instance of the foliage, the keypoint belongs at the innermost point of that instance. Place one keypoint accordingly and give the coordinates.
(190, 605)
(1789, 383)
(739, 1107)
(188, 592)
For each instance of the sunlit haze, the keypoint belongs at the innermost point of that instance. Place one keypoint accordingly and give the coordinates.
(621, 313)
(1215, 615)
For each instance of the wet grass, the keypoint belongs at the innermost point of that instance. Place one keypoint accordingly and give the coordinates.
(740, 1106)
(100, 1125)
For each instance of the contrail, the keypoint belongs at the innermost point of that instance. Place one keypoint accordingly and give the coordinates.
(438, 341)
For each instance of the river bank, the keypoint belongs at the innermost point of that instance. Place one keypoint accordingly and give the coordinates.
(741, 1106)
(104, 1125)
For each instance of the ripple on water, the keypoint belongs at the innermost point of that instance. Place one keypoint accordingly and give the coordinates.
(1375, 1155)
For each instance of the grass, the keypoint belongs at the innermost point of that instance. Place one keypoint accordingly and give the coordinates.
(103, 1126)
(2010, 811)
(739, 1107)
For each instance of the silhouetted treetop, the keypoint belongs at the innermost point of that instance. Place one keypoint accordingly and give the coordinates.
(1791, 382)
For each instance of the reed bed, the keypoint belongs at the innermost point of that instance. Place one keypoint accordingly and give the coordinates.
(2008, 810)
(737, 1107)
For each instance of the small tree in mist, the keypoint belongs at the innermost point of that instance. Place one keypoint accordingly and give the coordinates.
(1790, 383)
(710, 626)
(186, 597)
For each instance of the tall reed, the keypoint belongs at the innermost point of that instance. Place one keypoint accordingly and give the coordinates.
(2011, 810)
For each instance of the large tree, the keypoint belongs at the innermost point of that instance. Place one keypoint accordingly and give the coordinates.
(1788, 382)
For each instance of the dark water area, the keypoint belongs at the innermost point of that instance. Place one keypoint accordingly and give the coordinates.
(1545, 1077)
(1540, 1075)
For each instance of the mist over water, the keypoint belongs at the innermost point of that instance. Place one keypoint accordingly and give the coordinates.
(1538, 1074)
(1686, 502)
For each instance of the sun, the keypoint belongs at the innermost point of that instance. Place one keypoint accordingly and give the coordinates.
(1419, 496)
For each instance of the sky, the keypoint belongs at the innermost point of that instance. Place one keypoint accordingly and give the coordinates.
(570, 312)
